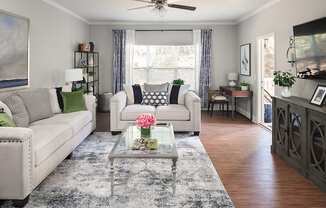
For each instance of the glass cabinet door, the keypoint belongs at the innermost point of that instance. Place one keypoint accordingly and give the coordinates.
(317, 144)
(297, 145)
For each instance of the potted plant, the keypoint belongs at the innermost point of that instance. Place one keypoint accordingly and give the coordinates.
(178, 82)
(145, 121)
(244, 86)
(285, 80)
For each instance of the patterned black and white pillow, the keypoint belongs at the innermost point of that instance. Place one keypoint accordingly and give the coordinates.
(155, 98)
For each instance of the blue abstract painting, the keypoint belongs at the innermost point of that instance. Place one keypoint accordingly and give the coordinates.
(14, 51)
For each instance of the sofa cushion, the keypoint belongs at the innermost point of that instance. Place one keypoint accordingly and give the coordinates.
(48, 138)
(156, 87)
(18, 110)
(6, 120)
(131, 112)
(155, 98)
(5, 109)
(75, 120)
(177, 94)
(172, 112)
(54, 101)
(37, 104)
(73, 101)
(59, 96)
(134, 93)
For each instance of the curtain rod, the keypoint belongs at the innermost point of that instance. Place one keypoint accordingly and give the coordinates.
(163, 30)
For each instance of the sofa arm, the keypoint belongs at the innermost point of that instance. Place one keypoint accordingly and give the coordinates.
(117, 103)
(16, 161)
(90, 102)
(193, 103)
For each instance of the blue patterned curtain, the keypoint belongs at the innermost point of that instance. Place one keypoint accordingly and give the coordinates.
(119, 59)
(205, 65)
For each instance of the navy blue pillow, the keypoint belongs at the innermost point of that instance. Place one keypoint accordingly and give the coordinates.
(138, 95)
(59, 96)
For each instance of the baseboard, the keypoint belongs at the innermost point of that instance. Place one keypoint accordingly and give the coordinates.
(246, 114)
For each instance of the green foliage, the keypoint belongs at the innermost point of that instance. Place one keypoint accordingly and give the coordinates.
(284, 79)
(244, 84)
(178, 82)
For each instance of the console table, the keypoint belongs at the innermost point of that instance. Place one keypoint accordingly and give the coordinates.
(299, 137)
(234, 93)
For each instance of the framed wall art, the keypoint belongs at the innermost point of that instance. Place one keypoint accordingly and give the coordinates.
(245, 59)
(319, 95)
(14, 53)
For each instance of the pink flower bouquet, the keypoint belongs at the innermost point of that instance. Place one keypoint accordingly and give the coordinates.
(145, 121)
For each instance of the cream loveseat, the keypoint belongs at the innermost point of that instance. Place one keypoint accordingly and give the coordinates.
(28, 155)
(184, 118)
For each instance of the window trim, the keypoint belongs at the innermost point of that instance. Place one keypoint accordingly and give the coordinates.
(148, 68)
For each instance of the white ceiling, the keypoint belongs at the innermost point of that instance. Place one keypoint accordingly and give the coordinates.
(117, 10)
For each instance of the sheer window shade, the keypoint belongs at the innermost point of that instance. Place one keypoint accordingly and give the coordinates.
(172, 38)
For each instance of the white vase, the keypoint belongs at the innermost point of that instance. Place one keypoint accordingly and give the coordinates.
(244, 88)
(286, 92)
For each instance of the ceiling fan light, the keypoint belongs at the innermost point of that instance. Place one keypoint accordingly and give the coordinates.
(160, 11)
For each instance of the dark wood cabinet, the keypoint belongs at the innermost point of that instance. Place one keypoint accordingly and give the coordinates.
(281, 133)
(317, 147)
(299, 137)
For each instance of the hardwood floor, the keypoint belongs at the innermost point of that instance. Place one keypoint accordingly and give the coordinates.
(253, 177)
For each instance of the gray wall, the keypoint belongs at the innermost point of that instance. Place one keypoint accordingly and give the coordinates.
(224, 49)
(279, 19)
(53, 37)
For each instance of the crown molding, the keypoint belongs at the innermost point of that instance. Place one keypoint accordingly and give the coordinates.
(258, 10)
(68, 11)
(245, 17)
(159, 23)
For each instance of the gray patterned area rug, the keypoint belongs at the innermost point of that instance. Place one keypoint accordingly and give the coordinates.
(84, 180)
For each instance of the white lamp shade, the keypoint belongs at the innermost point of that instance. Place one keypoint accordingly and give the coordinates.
(233, 76)
(72, 75)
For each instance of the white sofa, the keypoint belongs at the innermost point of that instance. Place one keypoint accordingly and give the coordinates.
(29, 155)
(185, 117)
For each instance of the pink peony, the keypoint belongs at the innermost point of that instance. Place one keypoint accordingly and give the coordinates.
(145, 120)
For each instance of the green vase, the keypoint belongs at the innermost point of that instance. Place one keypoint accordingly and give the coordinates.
(145, 132)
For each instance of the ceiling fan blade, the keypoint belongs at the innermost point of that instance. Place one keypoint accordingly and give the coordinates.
(144, 1)
(173, 1)
(178, 6)
(141, 7)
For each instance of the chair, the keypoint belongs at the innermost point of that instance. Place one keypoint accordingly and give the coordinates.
(216, 97)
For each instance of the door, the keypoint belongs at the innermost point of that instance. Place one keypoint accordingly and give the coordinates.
(266, 68)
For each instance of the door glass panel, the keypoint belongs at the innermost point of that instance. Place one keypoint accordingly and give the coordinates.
(267, 60)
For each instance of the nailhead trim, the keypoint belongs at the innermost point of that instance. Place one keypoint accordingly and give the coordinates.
(29, 158)
(11, 141)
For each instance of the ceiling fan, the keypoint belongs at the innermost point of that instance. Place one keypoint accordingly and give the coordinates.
(161, 4)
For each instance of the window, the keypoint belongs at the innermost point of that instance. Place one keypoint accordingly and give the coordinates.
(158, 64)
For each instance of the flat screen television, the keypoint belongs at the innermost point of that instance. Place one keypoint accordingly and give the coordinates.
(310, 49)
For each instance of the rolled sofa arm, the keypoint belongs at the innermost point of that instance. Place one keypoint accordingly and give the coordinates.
(193, 103)
(117, 103)
(90, 102)
(16, 161)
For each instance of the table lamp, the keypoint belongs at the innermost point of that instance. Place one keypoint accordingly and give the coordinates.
(232, 77)
(72, 76)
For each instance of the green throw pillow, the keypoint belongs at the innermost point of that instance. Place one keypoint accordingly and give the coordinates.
(6, 121)
(73, 101)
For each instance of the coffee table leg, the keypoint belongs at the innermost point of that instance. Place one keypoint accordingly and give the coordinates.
(112, 175)
(174, 173)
